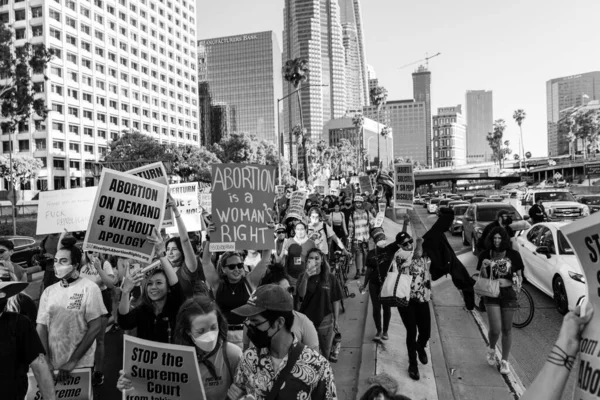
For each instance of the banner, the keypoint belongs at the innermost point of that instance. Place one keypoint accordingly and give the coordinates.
(125, 212)
(296, 207)
(205, 201)
(242, 198)
(186, 197)
(161, 370)
(365, 184)
(404, 185)
(156, 172)
(65, 209)
(77, 387)
(379, 219)
(584, 236)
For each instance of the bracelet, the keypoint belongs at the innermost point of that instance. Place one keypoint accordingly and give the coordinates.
(178, 215)
(560, 357)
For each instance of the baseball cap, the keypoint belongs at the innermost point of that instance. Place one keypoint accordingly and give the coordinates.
(266, 297)
(9, 289)
(279, 228)
(402, 237)
(359, 198)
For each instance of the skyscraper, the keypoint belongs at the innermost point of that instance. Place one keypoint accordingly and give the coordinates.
(125, 65)
(562, 93)
(241, 76)
(449, 137)
(422, 93)
(356, 66)
(480, 121)
(372, 78)
(312, 30)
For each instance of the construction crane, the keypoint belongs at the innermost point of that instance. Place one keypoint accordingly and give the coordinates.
(426, 59)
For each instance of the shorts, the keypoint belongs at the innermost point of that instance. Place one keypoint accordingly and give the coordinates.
(360, 246)
(107, 300)
(506, 300)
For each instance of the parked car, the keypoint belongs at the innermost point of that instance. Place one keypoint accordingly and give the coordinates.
(479, 215)
(467, 196)
(459, 211)
(590, 200)
(432, 205)
(478, 199)
(551, 264)
(26, 248)
(494, 199)
(454, 203)
(560, 204)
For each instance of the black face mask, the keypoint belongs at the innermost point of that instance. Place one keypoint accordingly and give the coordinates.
(260, 339)
(508, 220)
(3, 303)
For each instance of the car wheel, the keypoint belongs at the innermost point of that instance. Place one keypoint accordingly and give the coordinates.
(474, 246)
(560, 295)
(464, 239)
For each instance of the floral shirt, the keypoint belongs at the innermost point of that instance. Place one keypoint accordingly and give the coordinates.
(359, 225)
(420, 288)
(311, 377)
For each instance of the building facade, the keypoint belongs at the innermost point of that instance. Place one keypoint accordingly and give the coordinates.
(342, 128)
(562, 93)
(312, 30)
(357, 91)
(480, 121)
(118, 66)
(243, 73)
(422, 93)
(449, 137)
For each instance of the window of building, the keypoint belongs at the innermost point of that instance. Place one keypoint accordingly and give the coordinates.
(76, 165)
(100, 101)
(88, 114)
(58, 145)
(74, 147)
(102, 133)
(86, 46)
(57, 108)
(40, 144)
(59, 165)
(74, 129)
(58, 126)
(88, 131)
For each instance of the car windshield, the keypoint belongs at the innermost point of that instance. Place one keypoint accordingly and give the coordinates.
(489, 214)
(460, 210)
(593, 200)
(554, 196)
(435, 201)
(444, 202)
(478, 199)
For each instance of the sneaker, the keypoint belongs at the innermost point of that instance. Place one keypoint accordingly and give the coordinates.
(491, 357)
(413, 372)
(504, 367)
(97, 378)
(377, 337)
(422, 355)
(385, 336)
(362, 273)
(357, 276)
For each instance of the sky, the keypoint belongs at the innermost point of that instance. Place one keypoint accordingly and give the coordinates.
(511, 47)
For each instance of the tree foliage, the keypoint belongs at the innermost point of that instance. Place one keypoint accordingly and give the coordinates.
(583, 123)
(500, 147)
(296, 71)
(135, 146)
(23, 169)
(193, 163)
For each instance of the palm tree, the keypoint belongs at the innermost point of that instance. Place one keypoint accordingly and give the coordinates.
(386, 133)
(378, 99)
(359, 121)
(519, 115)
(295, 72)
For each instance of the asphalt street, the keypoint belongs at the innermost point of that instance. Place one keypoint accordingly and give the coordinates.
(531, 345)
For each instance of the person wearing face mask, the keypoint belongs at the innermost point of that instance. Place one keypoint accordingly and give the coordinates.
(201, 324)
(20, 349)
(232, 287)
(70, 313)
(161, 297)
(270, 368)
(503, 220)
(279, 252)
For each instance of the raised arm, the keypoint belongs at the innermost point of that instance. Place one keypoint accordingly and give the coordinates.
(159, 250)
(188, 250)
(60, 239)
(258, 272)
(210, 271)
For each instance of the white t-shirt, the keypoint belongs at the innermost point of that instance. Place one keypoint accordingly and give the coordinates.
(66, 312)
(90, 272)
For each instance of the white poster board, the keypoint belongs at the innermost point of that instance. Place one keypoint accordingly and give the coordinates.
(65, 209)
(186, 197)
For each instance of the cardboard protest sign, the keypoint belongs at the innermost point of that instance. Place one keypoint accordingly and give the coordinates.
(584, 236)
(382, 206)
(334, 185)
(334, 192)
(404, 185)
(65, 209)
(205, 201)
(296, 207)
(204, 187)
(320, 189)
(156, 172)
(77, 387)
(280, 190)
(125, 212)
(161, 370)
(354, 179)
(379, 219)
(186, 197)
(242, 198)
(365, 184)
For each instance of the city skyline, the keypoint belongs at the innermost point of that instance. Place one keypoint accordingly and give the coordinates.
(473, 55)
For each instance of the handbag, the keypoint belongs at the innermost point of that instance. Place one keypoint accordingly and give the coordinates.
(487, 287)
(395, 291)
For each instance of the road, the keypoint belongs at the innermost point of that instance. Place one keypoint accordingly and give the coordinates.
(532, 344)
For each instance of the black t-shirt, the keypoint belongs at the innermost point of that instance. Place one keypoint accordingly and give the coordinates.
(20, 345)
(501, 267)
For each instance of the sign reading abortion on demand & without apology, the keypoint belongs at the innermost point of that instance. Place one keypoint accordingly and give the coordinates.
(65, 209)
(156, 172)
(126, 211)
(242, 199)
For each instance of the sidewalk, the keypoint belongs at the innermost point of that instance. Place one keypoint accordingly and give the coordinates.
(457, 368)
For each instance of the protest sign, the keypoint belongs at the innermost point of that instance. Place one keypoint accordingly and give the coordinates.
(205, 200)
(334, 185)
(404, 185)
(354, 179)
(204, 187)
(320, 189)
(280, 190)
(65, 209)
(379, 219)
(334, 192)
(301, 185)
(156, 172)
(186, 197)
(365, 184)
(126, 210)
(382, 206)
(584, 236)
(242, 198)
(296, 207)
(161, 370)
(77, 387)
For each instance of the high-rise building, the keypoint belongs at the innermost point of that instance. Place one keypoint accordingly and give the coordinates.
(562, 93)
(449, 137)
(373, 81)
(422, 93)
(118, 65)
(408, 121)
(243, 73)
(312, 30)
(343, 128)
(356, 66)
(480, 121)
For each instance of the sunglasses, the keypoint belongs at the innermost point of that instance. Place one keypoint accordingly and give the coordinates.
(290, 290)
(234, 266)
(407, 243)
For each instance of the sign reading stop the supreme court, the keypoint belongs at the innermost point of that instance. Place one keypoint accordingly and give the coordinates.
(242, 195)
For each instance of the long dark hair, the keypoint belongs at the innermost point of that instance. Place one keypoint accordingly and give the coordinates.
(177, 241)
(324, 264)
(198, 305)
(68, 243)
(489, 240)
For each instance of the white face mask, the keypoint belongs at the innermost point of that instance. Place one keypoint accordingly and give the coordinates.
(207, 341)
(62, 271)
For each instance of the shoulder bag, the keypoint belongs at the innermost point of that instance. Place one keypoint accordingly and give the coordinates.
(488, 287)
(395, 290)
(285, 372)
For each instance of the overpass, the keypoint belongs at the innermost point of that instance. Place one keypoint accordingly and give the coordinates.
(471, 172)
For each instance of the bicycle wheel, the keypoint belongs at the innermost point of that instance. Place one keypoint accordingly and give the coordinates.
(524, 313)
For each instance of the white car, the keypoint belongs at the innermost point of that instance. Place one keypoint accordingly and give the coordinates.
(551, 264)
(432, 205)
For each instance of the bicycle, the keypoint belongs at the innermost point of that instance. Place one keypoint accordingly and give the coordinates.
(523, 315)
(340, 272)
